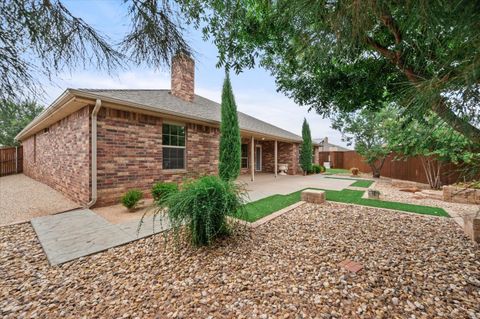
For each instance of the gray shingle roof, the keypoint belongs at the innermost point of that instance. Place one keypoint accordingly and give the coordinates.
(200, 108)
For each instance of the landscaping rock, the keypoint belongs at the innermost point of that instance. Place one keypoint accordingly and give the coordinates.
(415, 267)
(471, 226)
(461, 195)
(313, 196)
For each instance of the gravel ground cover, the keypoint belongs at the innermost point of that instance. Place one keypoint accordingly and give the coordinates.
(23, 198)
(414, 267)
(391, 193)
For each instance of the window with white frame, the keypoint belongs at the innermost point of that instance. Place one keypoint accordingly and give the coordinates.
(173, 140)
(244, 155)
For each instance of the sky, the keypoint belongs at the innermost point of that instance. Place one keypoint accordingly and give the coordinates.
(254, 90)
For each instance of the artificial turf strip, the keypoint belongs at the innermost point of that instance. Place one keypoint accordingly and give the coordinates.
(362, 183)
(265, 206)
(330, 171)
(358, 182)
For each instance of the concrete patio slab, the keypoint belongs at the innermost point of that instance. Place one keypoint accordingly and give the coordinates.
(71, 235)
(266, 185)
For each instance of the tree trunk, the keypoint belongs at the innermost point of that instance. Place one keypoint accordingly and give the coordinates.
(432, 170)
(376, 169)
(375, 172)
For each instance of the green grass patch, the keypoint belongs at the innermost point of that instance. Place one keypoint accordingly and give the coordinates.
(362, 183)
(331, 171)
(358, 182)
(265, 206)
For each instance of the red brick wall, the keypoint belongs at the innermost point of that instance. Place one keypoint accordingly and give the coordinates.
(287, 153)
(130, 153)
(60, 157)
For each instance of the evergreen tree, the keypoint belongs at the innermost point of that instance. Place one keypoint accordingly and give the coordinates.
(230, 142)
(306, 148)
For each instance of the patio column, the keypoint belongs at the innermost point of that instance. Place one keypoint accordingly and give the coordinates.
(252, 159)
(276, 158)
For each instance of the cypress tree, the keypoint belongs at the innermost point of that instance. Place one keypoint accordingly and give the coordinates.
(306, 148)
(230, 142)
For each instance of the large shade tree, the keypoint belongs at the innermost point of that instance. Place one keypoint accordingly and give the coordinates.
(432, 141)
(367, 131)
(14, 117)
(40, 38)
(330, 55)
(230, 142)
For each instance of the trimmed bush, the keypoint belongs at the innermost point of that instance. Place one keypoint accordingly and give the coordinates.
(203, 205)
(306, 149)
(322, 169)
(317, 169)
(131, 198)
(355, 171)
(161, 191)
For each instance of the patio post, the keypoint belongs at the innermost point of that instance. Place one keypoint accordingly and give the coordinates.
(252, 159)
(276, 158)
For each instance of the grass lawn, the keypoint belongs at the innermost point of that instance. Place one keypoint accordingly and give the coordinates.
(331, 171)
(362, 183)
(358, 182)
(268, 205)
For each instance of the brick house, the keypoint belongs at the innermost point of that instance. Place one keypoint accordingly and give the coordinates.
(94, 145)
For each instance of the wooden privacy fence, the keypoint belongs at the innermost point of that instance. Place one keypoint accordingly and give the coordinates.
(409, 170)
(11, 160)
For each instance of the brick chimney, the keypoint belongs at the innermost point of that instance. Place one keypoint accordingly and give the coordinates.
(183, 77)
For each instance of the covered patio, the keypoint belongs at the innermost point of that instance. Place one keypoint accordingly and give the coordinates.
(263, 154)
(265, 185)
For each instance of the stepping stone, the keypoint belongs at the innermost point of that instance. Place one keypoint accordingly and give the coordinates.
(351, 266)
(313, 196)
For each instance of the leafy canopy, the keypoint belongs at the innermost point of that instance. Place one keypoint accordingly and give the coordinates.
(367, 130)
(40, 38)
(347, 55)
(14, 117)
(434, 142)
(306, 148)
(230, 142)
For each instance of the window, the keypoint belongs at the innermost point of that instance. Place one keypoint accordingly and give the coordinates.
(173, 141)
(244, 156)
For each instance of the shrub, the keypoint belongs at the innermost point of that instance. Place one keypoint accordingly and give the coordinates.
(354, 171)
(306, 148)
(161, 191)
(131, 198)
(203, 205)
(322, 169)
(230, 141)
(473, 184)
(317, 169)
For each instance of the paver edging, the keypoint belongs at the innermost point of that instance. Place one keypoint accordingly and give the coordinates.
(269, 217)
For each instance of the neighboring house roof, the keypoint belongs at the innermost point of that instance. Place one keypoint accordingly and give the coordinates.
(323, 142)
(201, 109)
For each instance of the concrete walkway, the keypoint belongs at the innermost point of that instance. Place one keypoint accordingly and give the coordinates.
(67, 236)
(266, 185)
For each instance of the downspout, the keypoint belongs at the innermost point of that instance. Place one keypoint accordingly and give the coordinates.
(98, 105)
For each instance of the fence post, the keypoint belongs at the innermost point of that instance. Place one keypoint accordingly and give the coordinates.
(16, 159)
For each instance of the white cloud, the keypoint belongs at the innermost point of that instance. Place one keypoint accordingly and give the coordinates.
(266, 105)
